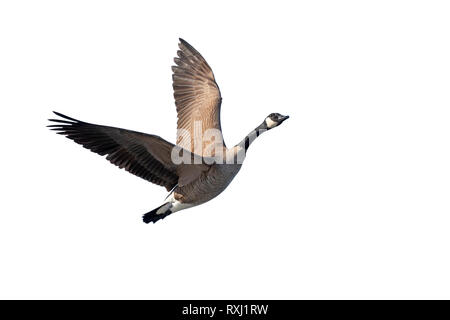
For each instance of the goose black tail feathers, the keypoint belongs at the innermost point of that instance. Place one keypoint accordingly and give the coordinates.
(153, 216)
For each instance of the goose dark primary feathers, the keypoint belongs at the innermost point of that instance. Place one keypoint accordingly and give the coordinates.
(199, 166)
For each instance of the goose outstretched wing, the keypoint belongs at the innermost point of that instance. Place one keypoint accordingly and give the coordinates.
(198, 100)
(144, 155)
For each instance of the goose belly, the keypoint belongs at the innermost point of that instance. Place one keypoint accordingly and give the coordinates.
(208, 186)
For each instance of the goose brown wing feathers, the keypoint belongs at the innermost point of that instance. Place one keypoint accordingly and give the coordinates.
(197, 98)
(144, 155)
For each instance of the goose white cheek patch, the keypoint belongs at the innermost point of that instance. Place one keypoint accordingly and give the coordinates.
(270, 123)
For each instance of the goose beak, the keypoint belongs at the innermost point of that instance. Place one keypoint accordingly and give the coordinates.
(284, 118)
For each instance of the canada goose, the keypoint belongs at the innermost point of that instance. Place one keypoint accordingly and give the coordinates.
(195, 170)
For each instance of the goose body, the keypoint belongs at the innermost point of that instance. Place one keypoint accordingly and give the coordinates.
(209, 185)
(195, 170)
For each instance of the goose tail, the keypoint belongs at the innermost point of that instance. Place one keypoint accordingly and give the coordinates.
(157, 214)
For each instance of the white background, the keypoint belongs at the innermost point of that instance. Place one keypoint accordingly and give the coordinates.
(349, 198)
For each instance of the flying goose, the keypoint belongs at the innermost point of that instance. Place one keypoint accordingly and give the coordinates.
(195, 170)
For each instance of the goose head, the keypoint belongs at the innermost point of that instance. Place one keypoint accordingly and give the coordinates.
(274, 120)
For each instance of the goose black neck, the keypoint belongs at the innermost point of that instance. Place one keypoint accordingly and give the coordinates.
(248, 140)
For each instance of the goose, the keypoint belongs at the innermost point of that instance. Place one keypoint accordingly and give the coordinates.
(199, 166)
